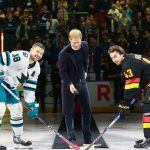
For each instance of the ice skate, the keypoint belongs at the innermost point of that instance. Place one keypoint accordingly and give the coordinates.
(138, 141)
(142, 143)
(21, 143)
(3, 147)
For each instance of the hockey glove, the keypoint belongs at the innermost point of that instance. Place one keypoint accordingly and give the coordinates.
(123, 108)
(33, 112)
(1, 76)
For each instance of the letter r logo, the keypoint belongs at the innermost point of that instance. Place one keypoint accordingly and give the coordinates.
(103, 92)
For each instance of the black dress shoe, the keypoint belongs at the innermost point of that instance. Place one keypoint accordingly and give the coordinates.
(72, 138)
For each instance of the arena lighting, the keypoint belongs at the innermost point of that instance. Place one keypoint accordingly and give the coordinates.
(2, 41)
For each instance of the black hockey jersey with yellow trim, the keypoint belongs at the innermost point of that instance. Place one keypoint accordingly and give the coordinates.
(136, 71)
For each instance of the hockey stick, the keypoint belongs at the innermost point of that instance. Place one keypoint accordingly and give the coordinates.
(112, 123)
(42, 121)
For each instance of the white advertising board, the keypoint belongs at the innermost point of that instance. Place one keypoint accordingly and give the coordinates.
(101, 93)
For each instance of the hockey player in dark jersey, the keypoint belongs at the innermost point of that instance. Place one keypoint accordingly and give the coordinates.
(136, 72)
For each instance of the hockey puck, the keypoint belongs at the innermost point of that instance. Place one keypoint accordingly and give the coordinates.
(2, 147)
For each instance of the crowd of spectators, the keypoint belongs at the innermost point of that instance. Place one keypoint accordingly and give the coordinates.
(102, 22)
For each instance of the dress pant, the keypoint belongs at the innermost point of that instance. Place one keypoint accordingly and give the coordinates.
(68, 109)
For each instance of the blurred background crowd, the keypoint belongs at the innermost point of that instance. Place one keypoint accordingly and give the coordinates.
(102, 22)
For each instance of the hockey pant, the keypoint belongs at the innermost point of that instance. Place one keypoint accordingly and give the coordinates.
(15, 108)
(146, 113)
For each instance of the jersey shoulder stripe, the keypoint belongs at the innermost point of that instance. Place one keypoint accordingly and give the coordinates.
(31, 82)
(29, 88)
(146, 60)
(5, 58)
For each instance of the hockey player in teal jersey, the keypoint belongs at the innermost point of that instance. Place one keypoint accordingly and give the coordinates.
(19, 68)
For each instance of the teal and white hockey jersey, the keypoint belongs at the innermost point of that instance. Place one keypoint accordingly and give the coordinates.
(18, 71)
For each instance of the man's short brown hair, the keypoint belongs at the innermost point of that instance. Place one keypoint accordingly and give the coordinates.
(39, 45)
(75, 33)
(116, 48)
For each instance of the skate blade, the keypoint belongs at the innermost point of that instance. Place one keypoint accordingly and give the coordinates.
(23, 147)
(2, 147)
(141, 147)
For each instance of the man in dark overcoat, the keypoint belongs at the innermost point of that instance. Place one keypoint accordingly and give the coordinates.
(73, 67)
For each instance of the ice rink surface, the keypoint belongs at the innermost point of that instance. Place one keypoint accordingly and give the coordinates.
(121, 136)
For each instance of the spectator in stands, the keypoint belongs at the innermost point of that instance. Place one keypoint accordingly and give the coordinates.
(26, 17)
(138, 21)
(120, 32)
(72, 23)
(113, 16)
(17, 14)
(53, 6)
(118, 6)
(10, 22)
(75, 7)
(22, 30)
(136, 44)
(63, 11)
(62, 29)
(51, 27)
(90, 28)
(2, 19)
(103, 26)
(2, 4)
(47, 42)
(10, 30)
(146, 26)
(147, 44)
(125, 21)
(113, 13)
(95, 57)
(92, 7)
(105, 42)
(128, 11)
(82, 26)
(122, 41)
(42, 19)
(29, 5)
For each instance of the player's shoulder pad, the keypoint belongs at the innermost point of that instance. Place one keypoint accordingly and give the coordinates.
(21, 53)
(5, 58)
(137, 56)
